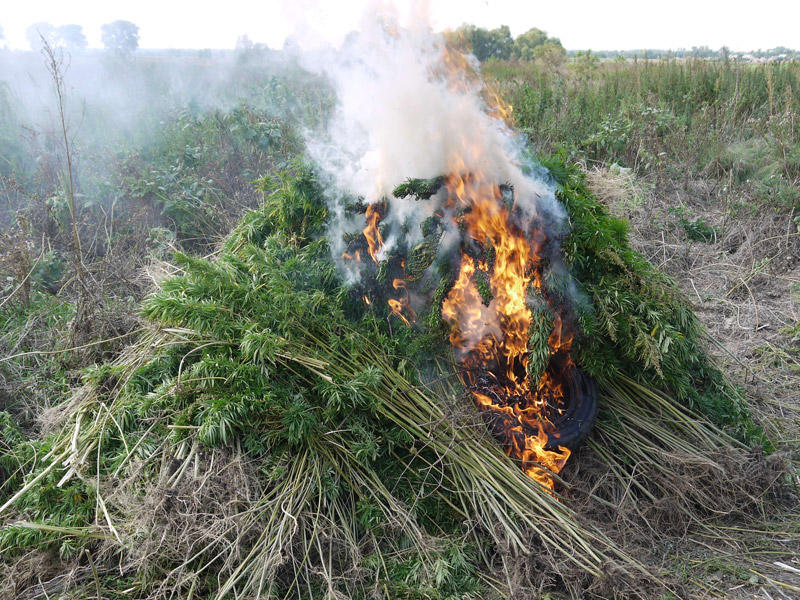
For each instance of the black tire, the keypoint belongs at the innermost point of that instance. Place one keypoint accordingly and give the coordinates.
(570, 428)
(575, 424)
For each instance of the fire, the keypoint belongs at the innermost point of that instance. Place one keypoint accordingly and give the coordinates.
(498, 107)
(491, 335)
(398, 305)
(492, 341)
(465, 310)
(500, 272)
(561, 337)
(356, 256)
(372, 232)
(461, 74)
(397, 309)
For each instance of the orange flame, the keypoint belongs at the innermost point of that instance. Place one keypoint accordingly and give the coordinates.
(495, 337)
(398, 305)
(561, 337)
(461, 74)
(498, 107)
(397, 310)
(356, 256)
(372, 232)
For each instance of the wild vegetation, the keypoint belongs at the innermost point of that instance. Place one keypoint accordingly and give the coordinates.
(129, 460)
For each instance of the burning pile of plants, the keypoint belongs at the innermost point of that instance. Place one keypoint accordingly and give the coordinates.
(509, 331)
(379, 396)
(280, 432)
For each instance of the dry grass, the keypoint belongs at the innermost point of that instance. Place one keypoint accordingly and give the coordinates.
(740, 284)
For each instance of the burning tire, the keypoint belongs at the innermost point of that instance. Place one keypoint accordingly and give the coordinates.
(565, 419)
(573, 425)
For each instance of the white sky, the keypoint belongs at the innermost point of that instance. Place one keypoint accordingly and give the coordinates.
(580, 24)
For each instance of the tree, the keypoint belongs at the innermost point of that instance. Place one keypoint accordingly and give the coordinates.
(41, 32)
(551, 55)
(485, 44)
(71, 37)
(121, 37)
(502, 43)
(495, 43)
(526, 42)
(244, 43)
(702, 52)
(584, 64)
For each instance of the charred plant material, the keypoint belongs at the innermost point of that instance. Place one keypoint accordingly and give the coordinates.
(564, 415)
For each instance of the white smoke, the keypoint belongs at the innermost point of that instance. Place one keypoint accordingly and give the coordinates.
(402, 114)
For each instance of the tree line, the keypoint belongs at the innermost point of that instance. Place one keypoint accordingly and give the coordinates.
(121, 37)
(535, 44)
(498, 44)
(704, 52)
(485, 44)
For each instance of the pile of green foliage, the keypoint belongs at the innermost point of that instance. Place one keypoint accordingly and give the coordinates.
(363, 473)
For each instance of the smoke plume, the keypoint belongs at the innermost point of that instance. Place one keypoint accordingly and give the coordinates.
(410, 108)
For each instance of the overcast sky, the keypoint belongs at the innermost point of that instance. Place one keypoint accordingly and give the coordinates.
(580, 24)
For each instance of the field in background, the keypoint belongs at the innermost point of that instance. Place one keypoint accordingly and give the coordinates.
(702, 158)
